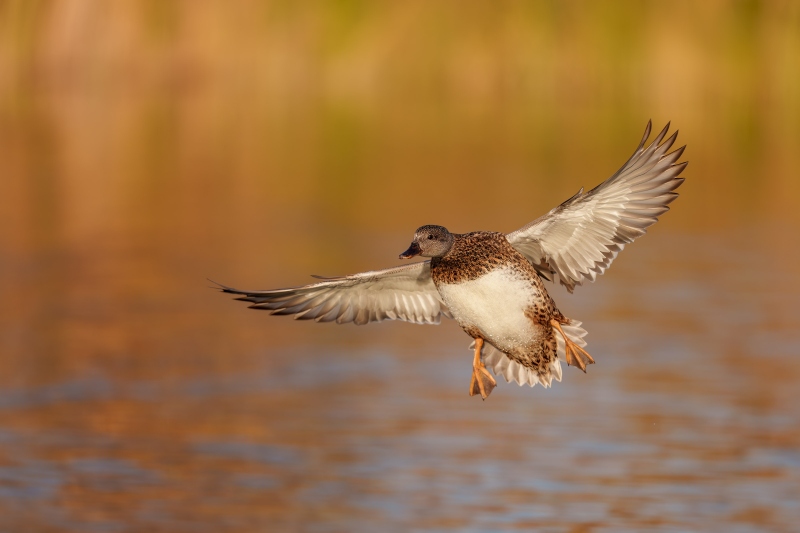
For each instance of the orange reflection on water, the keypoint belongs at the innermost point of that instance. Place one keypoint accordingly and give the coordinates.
(206, 142)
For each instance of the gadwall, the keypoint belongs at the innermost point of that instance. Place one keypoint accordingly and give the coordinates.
(492, 283)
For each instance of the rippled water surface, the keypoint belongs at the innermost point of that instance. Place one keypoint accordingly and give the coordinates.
(255, 150)
(200, 415)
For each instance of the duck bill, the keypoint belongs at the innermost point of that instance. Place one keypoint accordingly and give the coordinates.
(411, 252)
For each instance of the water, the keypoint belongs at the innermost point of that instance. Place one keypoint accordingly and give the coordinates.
(201, 415)
(134, 397)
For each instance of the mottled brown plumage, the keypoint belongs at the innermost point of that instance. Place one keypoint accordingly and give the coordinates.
(471, 256)
(474, 255)
(492, 284)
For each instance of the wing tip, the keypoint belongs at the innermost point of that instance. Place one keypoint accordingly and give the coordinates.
(647, 130)
(218, 286)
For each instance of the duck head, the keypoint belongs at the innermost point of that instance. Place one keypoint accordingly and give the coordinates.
(429, 241)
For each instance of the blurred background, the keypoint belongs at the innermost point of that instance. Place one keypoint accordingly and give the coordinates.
(148, 145)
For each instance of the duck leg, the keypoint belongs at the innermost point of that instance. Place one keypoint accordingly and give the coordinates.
(482, 381)
(576, 356)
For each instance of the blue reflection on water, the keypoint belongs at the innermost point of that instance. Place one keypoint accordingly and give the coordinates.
(248, 451)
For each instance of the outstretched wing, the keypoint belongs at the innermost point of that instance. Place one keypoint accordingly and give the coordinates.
(580, 238)
(402, 293)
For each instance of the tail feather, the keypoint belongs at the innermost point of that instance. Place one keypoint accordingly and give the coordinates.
(512, 371)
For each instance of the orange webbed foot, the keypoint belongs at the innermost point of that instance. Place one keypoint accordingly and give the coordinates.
(482, 381)
(575, 355)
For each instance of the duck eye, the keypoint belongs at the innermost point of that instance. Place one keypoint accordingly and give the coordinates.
(430, 237)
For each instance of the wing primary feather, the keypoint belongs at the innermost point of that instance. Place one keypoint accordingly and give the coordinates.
(361, 298)
(577, 240)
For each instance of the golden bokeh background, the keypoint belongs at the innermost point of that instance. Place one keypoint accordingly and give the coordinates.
(146, 145)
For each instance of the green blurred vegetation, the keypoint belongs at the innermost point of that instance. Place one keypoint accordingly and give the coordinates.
(201, 120)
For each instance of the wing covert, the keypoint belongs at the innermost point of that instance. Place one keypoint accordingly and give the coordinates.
(402, 293)
(578, 240)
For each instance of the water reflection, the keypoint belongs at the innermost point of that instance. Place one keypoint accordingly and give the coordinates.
(133, 397)
(682, 425)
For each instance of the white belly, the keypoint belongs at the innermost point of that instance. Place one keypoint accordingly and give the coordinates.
(495, 304)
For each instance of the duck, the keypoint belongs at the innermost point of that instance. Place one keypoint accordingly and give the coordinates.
(493, 284)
